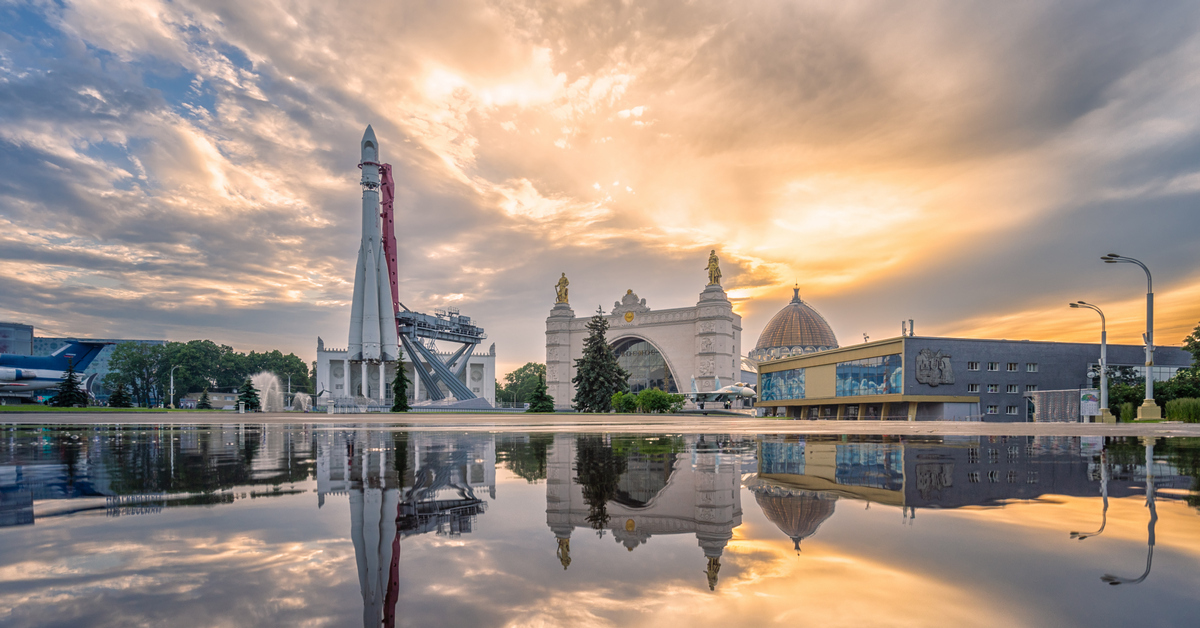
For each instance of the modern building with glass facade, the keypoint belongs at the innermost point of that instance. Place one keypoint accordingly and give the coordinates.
(940, 379)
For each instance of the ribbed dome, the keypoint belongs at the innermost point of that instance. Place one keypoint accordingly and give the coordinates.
(797, 514)
(796, 329)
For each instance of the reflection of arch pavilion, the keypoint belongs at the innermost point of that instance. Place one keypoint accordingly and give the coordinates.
(646, 365)
(796, 513)
(669, 493)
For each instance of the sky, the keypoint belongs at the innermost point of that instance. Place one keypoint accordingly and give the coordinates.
(188, 169)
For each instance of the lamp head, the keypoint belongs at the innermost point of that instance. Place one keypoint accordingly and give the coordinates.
(1073, 304)
(1113, 255)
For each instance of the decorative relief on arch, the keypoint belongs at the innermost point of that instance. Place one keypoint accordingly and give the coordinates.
(705, 367)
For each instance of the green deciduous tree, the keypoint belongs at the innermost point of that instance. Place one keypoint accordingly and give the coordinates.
(597, 373)
(1191, 344)
(520, 384)
(67, 394)
(248, 395)
(139, 365)
(539, 399)
(624, 402)
(400, 386)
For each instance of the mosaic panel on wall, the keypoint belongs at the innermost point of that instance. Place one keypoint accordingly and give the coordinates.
(882, 375)
(787, 384)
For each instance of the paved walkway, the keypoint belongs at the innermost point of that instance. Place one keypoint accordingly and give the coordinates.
(626, 423)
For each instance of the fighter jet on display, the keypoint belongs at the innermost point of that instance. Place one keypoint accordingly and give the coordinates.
(25, 373)
(723, 394)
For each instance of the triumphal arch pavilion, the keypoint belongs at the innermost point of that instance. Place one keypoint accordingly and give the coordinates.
(662, 349)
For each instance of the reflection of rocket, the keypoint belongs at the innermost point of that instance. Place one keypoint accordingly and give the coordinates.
(372, 322)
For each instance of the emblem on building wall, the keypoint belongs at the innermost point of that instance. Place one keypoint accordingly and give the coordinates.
(933, 368)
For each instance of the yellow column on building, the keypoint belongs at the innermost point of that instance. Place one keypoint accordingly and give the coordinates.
(884, 412)
(912, 411)
(841, 411)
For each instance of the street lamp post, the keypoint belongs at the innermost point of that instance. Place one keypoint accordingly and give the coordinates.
(1106, 415)
(1148, 409)
(172, 404)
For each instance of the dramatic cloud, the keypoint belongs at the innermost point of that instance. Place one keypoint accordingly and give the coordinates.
(187, 169)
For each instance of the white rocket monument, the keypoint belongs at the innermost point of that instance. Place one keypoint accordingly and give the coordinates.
(372, 321)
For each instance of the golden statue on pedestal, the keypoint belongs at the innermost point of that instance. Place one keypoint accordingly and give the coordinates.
(560, 289)
(714, 566)
(714, 269)
(564, 552)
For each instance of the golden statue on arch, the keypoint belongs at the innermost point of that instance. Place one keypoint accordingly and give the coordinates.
(560, 289)
(714, 269)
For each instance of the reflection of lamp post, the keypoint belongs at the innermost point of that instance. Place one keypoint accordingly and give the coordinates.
(1115, 580)
(1104, 475)
(1106, 416)
(1148, 409)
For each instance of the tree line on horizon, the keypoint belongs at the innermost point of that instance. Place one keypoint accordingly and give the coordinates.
(141, 372)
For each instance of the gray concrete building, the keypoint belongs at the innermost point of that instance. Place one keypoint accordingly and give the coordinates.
(933, 378)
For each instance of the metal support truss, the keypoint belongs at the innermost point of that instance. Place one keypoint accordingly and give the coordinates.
(440, 371)
(428, 380)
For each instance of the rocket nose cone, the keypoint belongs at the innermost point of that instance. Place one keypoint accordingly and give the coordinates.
(370, 146)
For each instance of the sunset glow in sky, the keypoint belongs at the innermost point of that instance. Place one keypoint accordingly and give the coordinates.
(188, 169)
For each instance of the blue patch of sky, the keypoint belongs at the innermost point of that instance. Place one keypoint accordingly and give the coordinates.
(183, 88)
(26, 24)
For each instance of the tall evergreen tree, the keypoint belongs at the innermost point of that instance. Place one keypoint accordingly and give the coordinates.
(400, 386)
(597, 373)
(119, 398)
(205, 403)
(248, 395)
(598, 470)
(539, 399)
(67, 394)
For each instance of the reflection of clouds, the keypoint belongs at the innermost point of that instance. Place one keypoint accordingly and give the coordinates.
(256, 565)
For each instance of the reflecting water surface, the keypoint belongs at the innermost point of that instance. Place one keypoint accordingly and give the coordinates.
(332, 525)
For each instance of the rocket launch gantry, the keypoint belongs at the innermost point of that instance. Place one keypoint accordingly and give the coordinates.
(378, 329)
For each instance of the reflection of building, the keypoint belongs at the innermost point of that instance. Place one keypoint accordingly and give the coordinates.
(697, 492)
(926, 378)
(137, 470)
(663, 349)
(399, 486)
(799, 479)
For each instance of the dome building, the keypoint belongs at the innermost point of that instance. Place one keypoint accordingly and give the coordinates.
(796, 330)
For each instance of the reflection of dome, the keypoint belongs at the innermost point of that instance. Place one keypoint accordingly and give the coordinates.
(797, 514)
(796, 329)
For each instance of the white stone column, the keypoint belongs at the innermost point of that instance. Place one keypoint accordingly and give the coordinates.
(558, 354)
(382, 381)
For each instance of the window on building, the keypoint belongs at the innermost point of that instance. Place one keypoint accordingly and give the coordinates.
(993, 388)
(1030, 387)
(1013, 389)
(972, 366)
(972, 388)
(883, 375)
(1010, 410)
(973, 455)
(1031, 477)
(1012, 477)
(993, 456)
(1013, 453)
(993, 409)
(993, 476)
(1012, 367)
(1031, 367)
(973, 477)
(993, 366)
